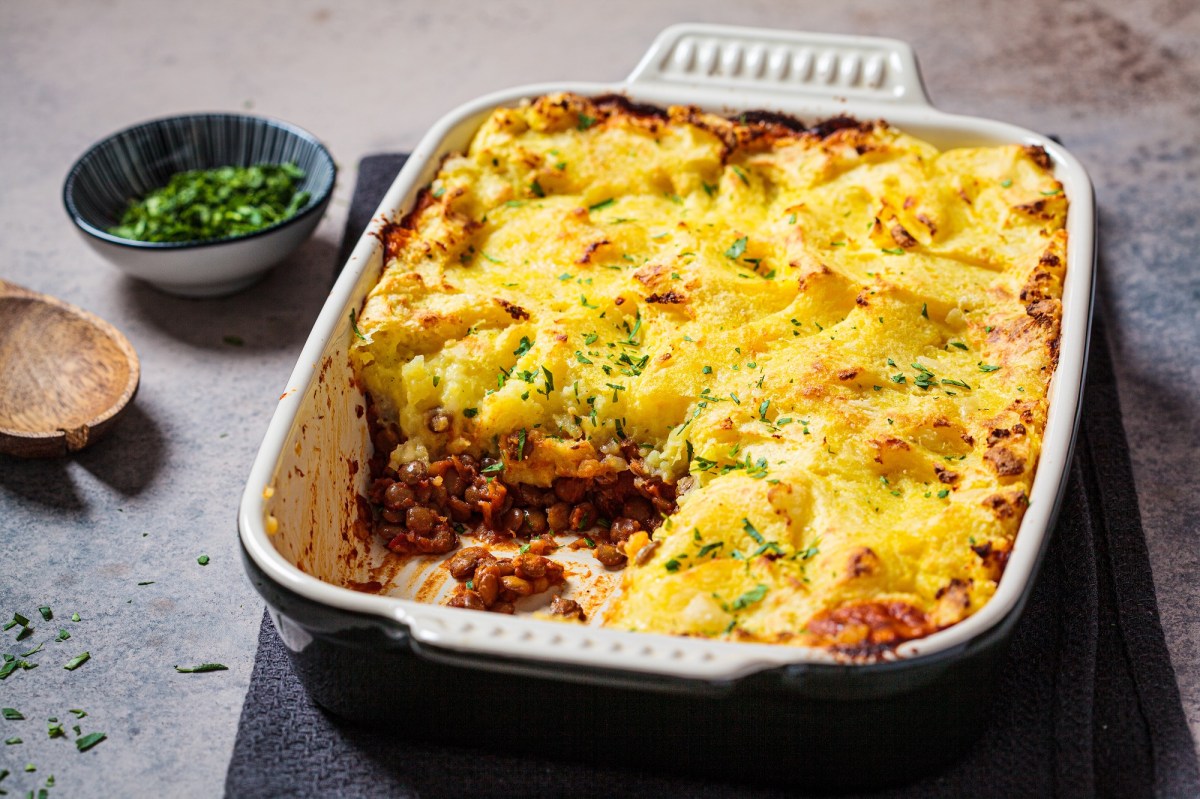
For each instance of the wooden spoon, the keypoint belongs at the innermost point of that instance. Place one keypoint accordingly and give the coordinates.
(65, 375)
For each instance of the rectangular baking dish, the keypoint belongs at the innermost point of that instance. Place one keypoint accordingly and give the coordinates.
(368, 655)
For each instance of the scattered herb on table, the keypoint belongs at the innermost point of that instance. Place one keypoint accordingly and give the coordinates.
(77, 661)
(234, 341)
(202, 205)
(88, 741)
(203, 667)
(12, 714)
(202, 560)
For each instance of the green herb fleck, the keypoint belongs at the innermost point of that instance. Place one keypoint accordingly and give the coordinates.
(602, 204)
(750, 597)
(77, 661)
(203, 667)
(987, 367)
(738, 248)
(354, 326)
(202, 560)
(88, 741)
(12, 714)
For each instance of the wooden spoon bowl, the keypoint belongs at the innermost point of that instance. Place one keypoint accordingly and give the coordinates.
(65, 375)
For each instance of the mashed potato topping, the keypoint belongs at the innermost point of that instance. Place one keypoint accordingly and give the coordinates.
(834, 342)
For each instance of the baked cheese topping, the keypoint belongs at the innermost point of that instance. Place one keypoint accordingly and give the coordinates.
(835, 342)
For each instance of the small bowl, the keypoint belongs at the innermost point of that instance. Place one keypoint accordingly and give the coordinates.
(130, 164)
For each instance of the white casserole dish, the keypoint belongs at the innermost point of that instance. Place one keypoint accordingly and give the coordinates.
(299, 505)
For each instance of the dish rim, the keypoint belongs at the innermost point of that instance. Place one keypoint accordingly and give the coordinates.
(315, 203)
(429, 625)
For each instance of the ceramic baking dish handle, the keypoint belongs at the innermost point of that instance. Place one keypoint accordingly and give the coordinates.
(754, 59)
(577, 652)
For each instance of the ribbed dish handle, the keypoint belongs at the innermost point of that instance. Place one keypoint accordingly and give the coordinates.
(759, 59)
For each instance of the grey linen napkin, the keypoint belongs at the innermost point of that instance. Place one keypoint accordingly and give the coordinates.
(1087, 705)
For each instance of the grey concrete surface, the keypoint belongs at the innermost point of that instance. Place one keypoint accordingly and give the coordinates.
(1119, 81)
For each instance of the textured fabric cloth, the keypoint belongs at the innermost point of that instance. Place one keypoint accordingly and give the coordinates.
(1087, 705)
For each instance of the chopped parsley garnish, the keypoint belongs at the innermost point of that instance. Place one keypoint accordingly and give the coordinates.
(203, 667)
(86, 742)
(709, 548)
(737, 170)
(959, 344)
(537, 189)
(987, 367)
(750, 597)
(47, 614)
(585, 121)
(752, 531)
(12, 714)
(737, 249)
(671, 565)
(579, 357)
(602, 204)
(894, 251)
(77, 661)
(525, 346)
(947, 381)
(945, 492)
(217, 203)
(493, 469)
(925, 310)
(470, 413)
(354, 326)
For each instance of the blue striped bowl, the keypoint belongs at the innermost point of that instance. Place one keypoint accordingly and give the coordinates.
(137, 160)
